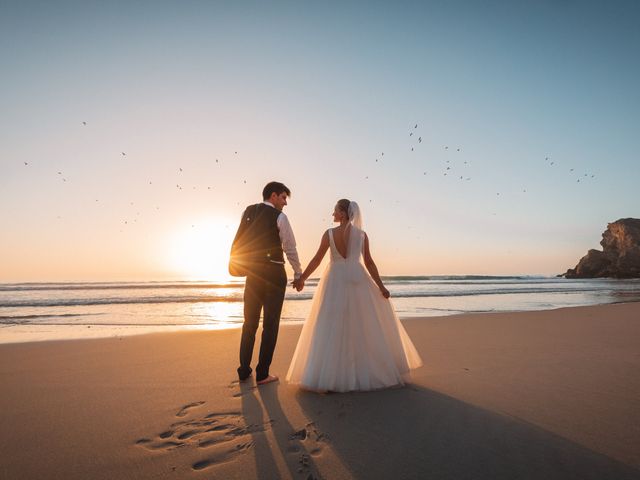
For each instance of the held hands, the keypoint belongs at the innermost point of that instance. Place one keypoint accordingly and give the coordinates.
(298, 284)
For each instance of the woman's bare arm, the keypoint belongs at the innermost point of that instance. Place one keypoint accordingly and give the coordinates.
(315, 261)
(373, 269)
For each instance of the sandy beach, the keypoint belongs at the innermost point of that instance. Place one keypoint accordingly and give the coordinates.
(549, 394)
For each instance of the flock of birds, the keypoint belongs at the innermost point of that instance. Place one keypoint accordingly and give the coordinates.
(130, 221)
(449, 166)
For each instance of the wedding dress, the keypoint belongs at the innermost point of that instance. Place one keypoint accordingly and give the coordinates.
(352, 339)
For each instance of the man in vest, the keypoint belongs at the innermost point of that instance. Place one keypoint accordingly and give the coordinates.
(265, 235)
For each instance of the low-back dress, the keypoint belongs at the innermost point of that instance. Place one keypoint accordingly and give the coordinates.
(352, 339)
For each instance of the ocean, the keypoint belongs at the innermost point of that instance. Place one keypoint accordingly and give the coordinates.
(55, 311)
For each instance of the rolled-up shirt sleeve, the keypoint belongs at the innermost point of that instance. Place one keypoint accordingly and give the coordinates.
(289, 244)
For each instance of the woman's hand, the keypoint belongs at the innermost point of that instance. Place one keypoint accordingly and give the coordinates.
(385, 292)
(298, 284)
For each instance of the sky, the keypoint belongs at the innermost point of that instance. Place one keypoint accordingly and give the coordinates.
(133, 134)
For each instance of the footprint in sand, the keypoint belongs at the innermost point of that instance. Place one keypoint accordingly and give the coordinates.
(244, 390)
(150, 445)
(212, 432)
(208, 430)
(225, 456)
(240, 394)
(305, 443)
(184, 410)
(344, 409)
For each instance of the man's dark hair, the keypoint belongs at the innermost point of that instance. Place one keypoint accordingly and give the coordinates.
(274, 187)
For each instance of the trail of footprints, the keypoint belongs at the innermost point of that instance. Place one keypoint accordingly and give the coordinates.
(225, 436)
(224, 430)
(310, 440)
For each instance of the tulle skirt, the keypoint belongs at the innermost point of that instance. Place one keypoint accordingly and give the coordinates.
(352, 339)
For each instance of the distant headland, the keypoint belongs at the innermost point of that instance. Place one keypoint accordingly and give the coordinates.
(620, 255)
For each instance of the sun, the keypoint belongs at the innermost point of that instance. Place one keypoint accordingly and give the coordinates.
(200, 250)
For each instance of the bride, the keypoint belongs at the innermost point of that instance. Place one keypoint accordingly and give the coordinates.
(352, 339)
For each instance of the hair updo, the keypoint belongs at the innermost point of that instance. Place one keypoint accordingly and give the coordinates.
(343, 206)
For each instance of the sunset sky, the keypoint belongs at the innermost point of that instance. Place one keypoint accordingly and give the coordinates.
(520, 99)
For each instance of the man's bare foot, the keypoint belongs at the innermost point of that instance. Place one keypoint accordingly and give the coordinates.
(269, 379)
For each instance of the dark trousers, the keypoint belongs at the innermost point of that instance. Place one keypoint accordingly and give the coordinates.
(264, 289)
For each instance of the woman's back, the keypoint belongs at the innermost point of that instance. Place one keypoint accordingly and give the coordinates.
(345, 244)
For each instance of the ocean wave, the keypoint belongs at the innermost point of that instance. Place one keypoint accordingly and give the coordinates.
(115, 324)
(36, 286)
(239, 284)
(238, 296)
(28, 287)
(50, 315)
(429, 278)
(53, 302)
(22, 287)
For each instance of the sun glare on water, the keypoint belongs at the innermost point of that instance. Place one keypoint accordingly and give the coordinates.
(200, 251)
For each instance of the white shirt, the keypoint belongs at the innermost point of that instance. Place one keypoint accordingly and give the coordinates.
(288, 241)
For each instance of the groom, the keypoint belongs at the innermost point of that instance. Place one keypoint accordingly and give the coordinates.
(265, 233)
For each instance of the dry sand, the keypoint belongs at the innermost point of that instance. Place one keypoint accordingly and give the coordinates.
(544, 395)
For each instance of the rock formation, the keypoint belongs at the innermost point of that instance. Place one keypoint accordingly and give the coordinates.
(620, 255)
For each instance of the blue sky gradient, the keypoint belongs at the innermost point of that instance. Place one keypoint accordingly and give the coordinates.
(312, 94)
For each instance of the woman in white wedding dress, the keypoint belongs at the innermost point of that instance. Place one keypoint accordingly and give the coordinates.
(352, 339)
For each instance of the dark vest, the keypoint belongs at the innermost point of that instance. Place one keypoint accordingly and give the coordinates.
(258, 237)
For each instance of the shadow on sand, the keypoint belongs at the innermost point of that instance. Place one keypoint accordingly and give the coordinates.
(293, 455)
(414, 432)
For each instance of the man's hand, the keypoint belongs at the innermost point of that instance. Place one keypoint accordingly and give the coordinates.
(298, 284)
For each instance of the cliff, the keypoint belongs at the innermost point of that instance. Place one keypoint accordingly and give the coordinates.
(620, 255)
